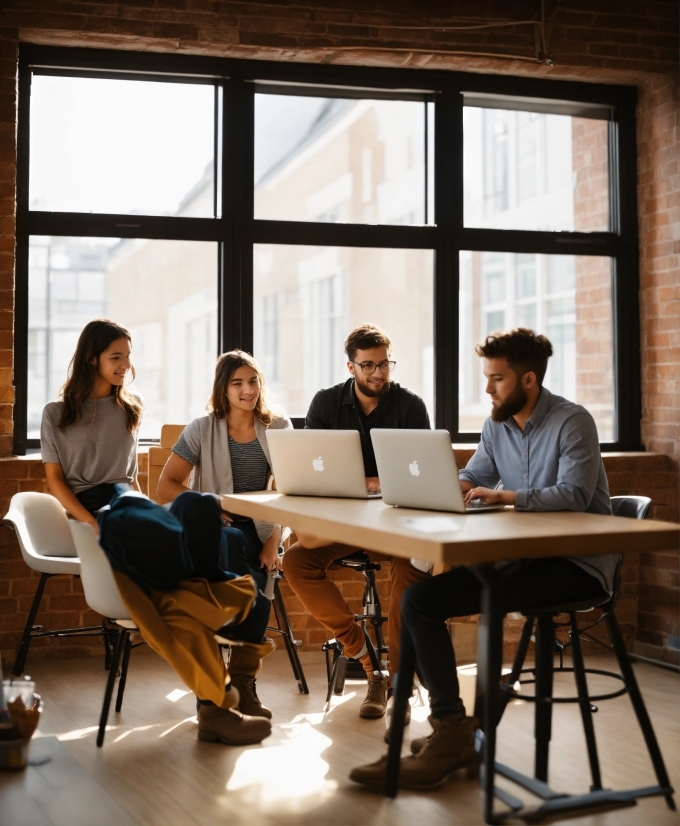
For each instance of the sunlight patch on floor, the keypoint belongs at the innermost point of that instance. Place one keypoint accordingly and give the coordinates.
(191, 719)
(176, 695)
(292, 771)
(131, 730)
(79, 733)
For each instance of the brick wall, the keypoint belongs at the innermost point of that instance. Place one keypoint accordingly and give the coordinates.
(628, 41)
(659, 200)
(587, 38)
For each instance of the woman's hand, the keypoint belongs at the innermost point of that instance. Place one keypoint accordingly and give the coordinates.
(269, 555)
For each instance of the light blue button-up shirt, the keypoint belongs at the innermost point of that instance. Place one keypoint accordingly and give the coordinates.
(554, 464)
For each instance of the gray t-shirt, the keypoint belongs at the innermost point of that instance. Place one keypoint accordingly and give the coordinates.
(96, 450)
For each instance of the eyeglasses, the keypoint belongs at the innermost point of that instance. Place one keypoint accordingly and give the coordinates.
(368, 367)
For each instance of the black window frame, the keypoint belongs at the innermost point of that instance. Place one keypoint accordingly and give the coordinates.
(236, 230)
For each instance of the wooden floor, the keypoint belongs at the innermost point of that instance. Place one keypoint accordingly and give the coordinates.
(153, 771)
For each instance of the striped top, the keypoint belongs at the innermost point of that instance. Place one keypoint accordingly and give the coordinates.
(249, 466)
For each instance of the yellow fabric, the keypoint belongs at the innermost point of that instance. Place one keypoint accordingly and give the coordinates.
(180, 626)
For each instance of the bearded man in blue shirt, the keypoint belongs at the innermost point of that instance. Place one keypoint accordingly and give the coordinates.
(545, 452)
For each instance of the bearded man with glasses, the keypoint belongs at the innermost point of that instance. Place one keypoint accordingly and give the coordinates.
(368, 399)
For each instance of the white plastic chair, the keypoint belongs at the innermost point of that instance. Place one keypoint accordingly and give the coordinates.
(46, 544)
(101, 594)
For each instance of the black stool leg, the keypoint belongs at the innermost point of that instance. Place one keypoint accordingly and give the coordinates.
(518, 664)
(545, 647)
(336, 682)
(584, 703)
(124, 670)
(639, 705)
(370, 649)
(113, 670)
(291, 648)
(20, 661)
(373, 609)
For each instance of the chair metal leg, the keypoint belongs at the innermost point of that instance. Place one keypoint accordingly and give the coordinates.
(20, 661)
(124, 670)
(518, 663)
(336, 682)
(289, 640)
(107, 646)
(545, 648)
(370, 648)
(108, 693)
(639, 705)
(584, 703)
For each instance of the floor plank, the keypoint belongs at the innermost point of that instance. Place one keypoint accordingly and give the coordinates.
(158, 774)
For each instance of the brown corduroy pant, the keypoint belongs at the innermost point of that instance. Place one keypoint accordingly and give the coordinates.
(305, 570)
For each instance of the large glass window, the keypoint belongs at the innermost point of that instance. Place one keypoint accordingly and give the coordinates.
(535, 171)
(567, 298)
(319, 294)
(209, 204)
(339, 160)
(163, 292)
(120, 146)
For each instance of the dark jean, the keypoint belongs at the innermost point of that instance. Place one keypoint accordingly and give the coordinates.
(95, 498)
(213, 554)
(426, 606)
(240, 551)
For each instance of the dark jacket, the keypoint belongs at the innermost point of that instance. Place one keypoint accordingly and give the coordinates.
(336, 408)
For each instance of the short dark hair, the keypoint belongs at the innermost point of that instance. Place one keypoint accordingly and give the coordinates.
(365, 337)
(524, 350)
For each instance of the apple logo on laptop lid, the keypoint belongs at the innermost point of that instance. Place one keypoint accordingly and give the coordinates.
(413, 468)
(317, 464)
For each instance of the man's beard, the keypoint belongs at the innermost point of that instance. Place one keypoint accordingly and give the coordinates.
(367, 390)
(513, 404)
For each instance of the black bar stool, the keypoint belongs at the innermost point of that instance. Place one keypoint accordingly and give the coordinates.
(372, 616)
(542, 626)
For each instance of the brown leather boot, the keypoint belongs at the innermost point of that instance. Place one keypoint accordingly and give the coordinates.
(227, 725)
(244, 666)
(375, 702)
(418, 743)
(451, 746)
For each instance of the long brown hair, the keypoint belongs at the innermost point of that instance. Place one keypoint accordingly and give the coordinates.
(83, 370)
(226, 366)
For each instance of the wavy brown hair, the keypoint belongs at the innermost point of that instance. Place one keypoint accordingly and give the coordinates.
(226, 366)
(83, 370)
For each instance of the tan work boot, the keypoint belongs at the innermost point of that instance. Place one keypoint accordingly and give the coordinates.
(375, 702)
(245, 663)
(451, 746)
(227, 725)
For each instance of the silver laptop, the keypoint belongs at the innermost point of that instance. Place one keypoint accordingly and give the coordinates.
(417, 469)
(318, 463)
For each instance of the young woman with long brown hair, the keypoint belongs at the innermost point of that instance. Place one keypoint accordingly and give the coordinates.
(88, 437)
(226, 451)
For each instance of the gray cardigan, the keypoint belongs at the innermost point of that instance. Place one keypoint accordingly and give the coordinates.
(207, 440)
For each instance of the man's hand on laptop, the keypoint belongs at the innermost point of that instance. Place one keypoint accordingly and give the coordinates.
(372, 484)
(491, 497)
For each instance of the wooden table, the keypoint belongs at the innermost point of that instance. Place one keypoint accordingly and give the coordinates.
(476, 540)
(458, 539)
